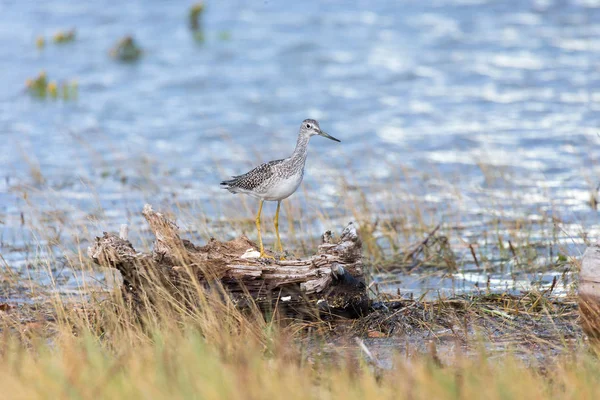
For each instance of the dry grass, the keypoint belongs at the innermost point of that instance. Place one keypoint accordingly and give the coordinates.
(93, 346)
(100, 349)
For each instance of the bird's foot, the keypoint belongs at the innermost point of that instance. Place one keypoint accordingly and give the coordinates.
(265, 255)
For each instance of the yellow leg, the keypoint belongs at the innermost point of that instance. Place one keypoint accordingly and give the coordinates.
(260, 243)
(278, 246)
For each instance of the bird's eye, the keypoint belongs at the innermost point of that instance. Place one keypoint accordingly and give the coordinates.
(308, 126)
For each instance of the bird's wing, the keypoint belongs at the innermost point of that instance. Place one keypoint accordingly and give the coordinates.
(252, 179)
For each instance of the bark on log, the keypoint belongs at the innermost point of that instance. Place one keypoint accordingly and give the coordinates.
(329, 282)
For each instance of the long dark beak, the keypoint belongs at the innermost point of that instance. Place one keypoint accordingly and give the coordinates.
(328, 136)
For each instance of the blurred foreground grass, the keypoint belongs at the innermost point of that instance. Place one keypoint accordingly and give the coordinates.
(100, 349)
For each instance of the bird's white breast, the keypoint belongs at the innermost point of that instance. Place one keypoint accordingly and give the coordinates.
(284, 188)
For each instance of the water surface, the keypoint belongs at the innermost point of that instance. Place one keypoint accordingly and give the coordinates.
(477, 111)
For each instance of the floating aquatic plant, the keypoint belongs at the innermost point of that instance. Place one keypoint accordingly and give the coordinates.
(69, 90)
(41, 87)
(126, 50)
(40, 42)
(195, 13)
(64, 36)
(59, 37)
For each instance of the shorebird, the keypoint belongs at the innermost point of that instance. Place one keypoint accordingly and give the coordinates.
(277, 180)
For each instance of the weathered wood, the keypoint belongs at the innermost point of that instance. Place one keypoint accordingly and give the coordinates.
(589, 291)
(331, 281)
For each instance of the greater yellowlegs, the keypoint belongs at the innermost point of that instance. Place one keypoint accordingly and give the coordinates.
(277, 180)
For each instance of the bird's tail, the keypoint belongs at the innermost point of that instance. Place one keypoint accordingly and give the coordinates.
(228, 185)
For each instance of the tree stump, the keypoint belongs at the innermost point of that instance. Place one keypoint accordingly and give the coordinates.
(331, 282)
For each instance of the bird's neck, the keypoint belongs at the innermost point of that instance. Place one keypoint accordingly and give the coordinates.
(301, 149)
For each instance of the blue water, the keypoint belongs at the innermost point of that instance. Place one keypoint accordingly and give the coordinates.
(477, 110)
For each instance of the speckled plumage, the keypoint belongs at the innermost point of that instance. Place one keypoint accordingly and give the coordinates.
(278, 179)
(255, 178)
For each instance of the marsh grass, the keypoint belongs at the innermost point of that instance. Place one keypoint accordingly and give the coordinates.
(89, 343)
(100, 348)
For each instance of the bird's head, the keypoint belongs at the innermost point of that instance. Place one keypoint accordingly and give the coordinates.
(311, 127)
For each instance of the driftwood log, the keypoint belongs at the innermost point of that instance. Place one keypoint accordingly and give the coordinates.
(331, 282)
